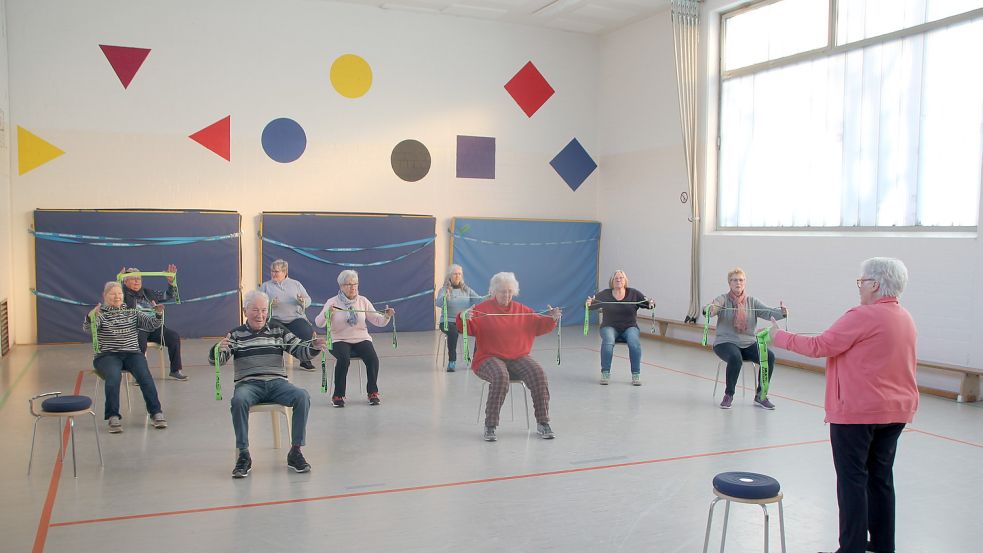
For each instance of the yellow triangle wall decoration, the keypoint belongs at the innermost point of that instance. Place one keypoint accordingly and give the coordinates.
(33, 151)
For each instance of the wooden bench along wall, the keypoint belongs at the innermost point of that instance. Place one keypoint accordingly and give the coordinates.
(969, 385)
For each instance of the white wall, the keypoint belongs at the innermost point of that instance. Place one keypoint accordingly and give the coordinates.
(813, 273)
(434, 78)
(6, 138)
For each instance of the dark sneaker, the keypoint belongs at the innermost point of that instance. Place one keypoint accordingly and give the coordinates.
(764, 403)
(451, 366)
(338, 401)
(296, 461)
(115, 425)
(605, 378)
(374, 398)
(544, 431)
(244, 464)
(178, 375)
(490, 434)
(159, 420)
(636, 380)
(727, 402)
(307, 366)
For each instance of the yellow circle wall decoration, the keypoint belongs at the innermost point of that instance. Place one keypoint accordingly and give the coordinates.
(351, 76)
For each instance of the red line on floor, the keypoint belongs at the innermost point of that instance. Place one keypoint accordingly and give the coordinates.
(432, 486)
(49, 501)
(940, 436)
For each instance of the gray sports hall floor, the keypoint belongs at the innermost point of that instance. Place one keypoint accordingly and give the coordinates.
(630, 469)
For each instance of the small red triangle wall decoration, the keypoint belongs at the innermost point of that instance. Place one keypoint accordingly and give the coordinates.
(126, 61)
(216, 137)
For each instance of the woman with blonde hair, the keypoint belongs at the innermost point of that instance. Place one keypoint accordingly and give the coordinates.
(620, 305)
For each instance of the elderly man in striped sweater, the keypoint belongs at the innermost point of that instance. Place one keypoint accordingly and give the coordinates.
(257, 351)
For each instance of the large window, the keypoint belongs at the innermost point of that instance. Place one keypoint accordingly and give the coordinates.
(851, 114)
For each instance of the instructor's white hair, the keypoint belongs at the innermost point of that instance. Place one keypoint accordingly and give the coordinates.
(890, 273)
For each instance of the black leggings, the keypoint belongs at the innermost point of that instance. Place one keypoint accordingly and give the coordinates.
(343, 351)
(735, 357)
(452, 335)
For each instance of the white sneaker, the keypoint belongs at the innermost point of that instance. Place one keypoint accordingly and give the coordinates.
(115, 425)
(636, 380)
(544, 431)
(605, 378)
(159, 420)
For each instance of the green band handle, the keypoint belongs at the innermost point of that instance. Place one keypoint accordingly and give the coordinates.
(763, 338)
(324, 372)
(586, 318)
(94, 326)
(464, 333)
(216, 352)
(706, 324)
(165, 274)
(559, 340)
(445, 311)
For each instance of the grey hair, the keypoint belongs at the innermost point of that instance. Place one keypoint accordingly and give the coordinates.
(131, 270)
(346, 275)
(447, 277)
(890, 273)
(110, 284)
(251, 296)
(498, 280)
(279, 264)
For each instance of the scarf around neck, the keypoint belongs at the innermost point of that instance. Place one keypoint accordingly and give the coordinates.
(740, 318)
(349, 305)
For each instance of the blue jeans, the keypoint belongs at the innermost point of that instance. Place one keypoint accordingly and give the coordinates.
(110, 367)
(279, 391)
(630, 336)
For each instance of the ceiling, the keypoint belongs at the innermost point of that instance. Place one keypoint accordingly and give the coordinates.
(582, 16)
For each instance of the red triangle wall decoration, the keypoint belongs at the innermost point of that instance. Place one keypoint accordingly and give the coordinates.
(216, 137)
(126, 61)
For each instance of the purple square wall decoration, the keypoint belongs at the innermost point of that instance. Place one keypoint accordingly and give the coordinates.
(475, 157)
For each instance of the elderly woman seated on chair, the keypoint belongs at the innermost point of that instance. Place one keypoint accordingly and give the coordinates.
(456, 296)
(117, 348)
(735, 342)
(504, 331)
(256, 349)
(346, 313)
(620, 305)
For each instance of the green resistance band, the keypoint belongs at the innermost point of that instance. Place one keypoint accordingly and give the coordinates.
(464, 333)
(587, 312)
(559, 340)
(445, 311)
(586, 318)
(216, 352)
(706, 324)
(764, 338)
(464, 330)
(324, 372)
(166, 274)
(94, 326)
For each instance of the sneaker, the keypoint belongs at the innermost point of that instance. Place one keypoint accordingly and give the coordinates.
(605, 378)
(451, 366)
(115, 425)
(244, 464)
(296, 461)
(178, 375)
(636, 380)
(338, 401)
(374, 398)
(307, 366)
(727, 401)
(490, 434)
(159, 420)
(764, 403)
(544, 431)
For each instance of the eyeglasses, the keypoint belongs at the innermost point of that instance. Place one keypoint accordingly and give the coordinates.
(350, 284)
(861, 281)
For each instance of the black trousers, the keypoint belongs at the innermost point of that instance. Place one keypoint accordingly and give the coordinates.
(342, 352)
(170, 339)
(735, 356)
(302, 329)
(863, 455)
(452, 335)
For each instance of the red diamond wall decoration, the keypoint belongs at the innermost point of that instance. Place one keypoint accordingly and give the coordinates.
(529, 89)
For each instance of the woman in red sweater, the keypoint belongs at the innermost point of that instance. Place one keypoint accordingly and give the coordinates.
(871, 393)
(504, 332)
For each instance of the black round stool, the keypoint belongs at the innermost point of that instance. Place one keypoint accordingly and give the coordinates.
(750, 488)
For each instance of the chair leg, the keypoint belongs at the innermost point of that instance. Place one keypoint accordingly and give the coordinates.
(765, 509)
(716, 379)
(95, 428)
(71, 426)
(288, 413)
(481, 401)
(723, 535)
(781, 524)
(525, 396)
(706, 537)
(275, 420)
(33, 435)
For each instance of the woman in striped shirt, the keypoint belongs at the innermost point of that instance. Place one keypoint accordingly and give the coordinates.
(117, 349)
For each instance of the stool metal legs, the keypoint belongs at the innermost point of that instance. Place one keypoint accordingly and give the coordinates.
(61, 449)
(723, 535)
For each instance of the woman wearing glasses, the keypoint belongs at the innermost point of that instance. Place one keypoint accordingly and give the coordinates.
(735, 342)
(347, 313)
(871, 393)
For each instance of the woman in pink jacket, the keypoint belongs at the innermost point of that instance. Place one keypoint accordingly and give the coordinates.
(871, 393)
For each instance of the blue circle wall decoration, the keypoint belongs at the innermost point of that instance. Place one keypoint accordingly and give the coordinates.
(284, 140)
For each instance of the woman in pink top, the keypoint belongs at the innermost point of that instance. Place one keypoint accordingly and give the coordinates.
(348, 313)
(871, 393)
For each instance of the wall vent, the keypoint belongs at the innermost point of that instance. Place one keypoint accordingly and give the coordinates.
(4, 329)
